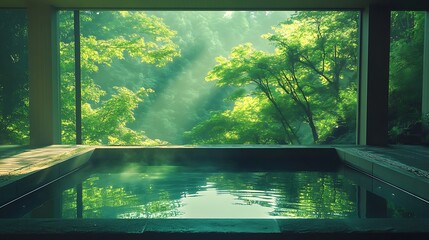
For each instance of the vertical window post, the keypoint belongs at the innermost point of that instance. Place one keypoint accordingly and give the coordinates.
(78, 85)
(43, 75)
(425, 94)
(374, 76)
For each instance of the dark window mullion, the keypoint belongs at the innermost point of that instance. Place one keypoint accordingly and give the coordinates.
(78, 85)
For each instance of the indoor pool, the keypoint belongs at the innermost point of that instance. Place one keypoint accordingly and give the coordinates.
(234, 192)
(136, 191)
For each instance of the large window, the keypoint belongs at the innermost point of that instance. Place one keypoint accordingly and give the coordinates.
(212, 77)
(14, 92)
(405, 83)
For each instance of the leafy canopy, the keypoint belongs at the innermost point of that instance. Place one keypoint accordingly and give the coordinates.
(105, 37)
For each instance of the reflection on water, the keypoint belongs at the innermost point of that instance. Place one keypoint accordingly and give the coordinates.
(185, 193)
(177, 192)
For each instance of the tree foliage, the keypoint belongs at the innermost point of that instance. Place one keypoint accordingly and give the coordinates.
(270, 77)
(406, 71)
(105, 119)
(14, 97)
(307, 80)
(241, 125)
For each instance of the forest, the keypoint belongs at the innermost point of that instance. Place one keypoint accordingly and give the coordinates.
(216, 77)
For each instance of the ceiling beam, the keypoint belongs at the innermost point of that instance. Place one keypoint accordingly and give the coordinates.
(219, 4)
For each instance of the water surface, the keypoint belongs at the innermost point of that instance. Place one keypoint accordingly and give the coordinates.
(178, 192)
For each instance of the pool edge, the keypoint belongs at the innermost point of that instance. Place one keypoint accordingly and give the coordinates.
(214, 229)
(406, 178)
(24, 183)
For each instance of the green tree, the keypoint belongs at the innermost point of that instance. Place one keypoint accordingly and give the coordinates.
(318, 54)
(106, 37)
(14, 89)
(241, 125)
(247, 66)
(406, 70)
(182, 98)
(313, 68)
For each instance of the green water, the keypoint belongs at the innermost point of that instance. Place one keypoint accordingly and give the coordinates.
(178, 192)
(171, 192)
